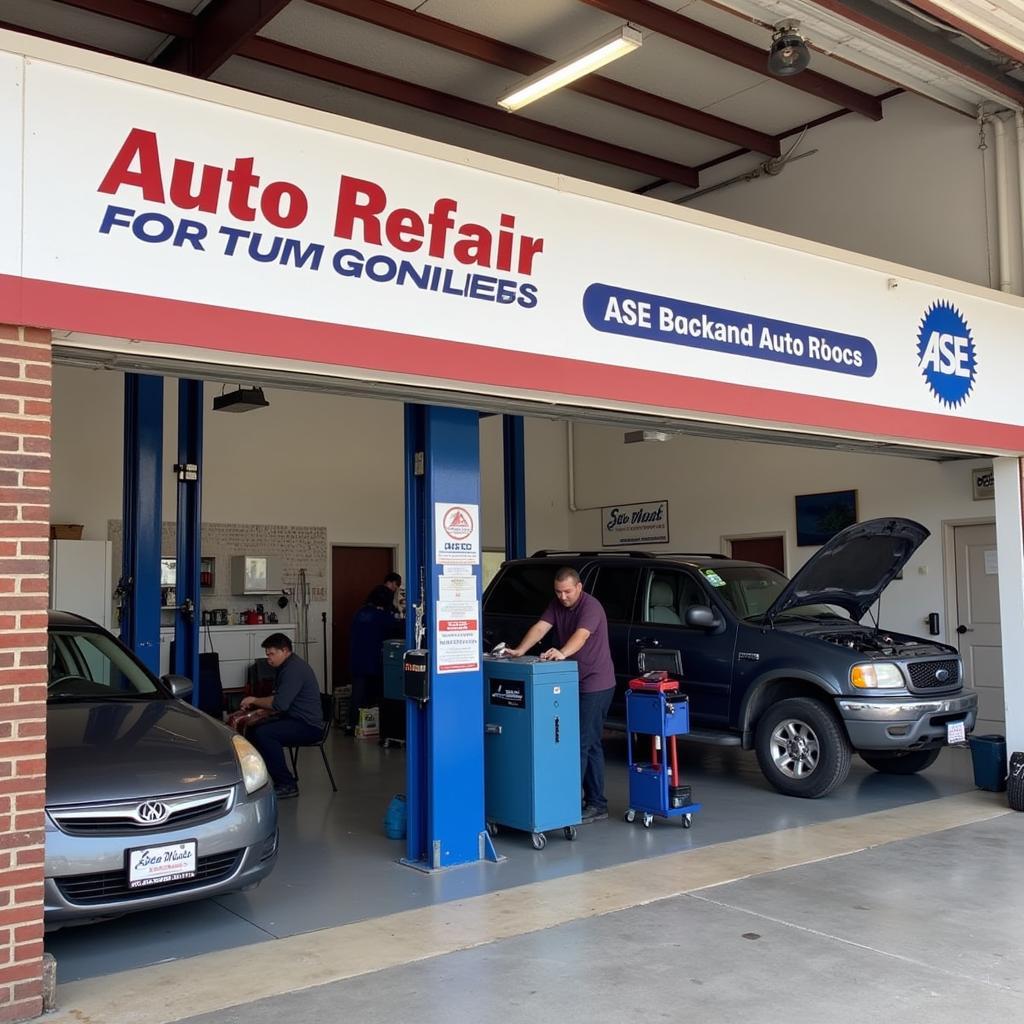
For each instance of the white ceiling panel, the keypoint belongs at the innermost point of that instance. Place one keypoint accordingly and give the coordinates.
(770, 110)
(82, 27)
(254, 77)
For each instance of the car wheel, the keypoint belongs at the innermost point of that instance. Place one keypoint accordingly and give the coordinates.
(801, 748)
(907, 763)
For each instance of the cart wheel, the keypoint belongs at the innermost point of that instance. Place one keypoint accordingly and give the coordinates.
(648, 818)
(631, 815)
(569, 832)
(687, 820)
(492, 829)
(539, 840)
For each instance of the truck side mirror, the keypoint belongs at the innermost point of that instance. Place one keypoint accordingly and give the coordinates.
(180, 686)
(700, 616)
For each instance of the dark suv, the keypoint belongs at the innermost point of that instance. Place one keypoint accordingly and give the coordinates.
(784, 667)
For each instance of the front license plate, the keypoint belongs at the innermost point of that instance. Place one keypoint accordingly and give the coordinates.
(156, 865)
(956, 732)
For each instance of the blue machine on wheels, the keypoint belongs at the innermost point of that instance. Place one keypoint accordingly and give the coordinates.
(531, 746)
(656, 713)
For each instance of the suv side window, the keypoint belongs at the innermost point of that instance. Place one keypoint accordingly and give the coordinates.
(522, 590)
(667, 595)
(615, 588)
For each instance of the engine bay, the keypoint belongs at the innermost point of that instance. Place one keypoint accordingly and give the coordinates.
(870, 641)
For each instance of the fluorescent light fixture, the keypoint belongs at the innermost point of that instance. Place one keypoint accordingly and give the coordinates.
(240, 400)
(602, 51)
(639, 436)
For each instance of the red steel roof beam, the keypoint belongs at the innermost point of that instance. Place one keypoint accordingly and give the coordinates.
(139, 12)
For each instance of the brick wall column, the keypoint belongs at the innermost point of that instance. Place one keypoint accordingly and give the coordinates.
(25, 384)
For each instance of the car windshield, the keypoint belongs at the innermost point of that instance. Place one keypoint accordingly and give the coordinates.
(750, 590)
(93, 666)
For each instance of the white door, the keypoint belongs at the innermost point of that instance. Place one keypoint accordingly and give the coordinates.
(977, 627)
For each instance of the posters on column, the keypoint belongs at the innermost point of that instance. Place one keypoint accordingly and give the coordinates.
(457, 609)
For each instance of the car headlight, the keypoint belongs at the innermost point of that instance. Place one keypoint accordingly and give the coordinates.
(254, 771)
(882, 675)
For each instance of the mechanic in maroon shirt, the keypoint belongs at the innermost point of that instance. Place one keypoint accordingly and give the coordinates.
(581, 633)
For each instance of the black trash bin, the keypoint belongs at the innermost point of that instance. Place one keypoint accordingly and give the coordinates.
(989, 756)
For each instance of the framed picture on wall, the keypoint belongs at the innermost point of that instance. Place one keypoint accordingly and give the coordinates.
(820, 517)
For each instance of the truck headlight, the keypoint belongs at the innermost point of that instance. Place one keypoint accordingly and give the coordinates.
(881, 675)
(254, 771)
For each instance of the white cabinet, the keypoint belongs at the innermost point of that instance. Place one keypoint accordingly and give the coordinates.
(238, 647)
(80, 578)
(255, 574)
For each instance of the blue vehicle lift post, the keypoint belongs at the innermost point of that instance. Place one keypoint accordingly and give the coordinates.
(445, 734)
(188, 471)
(139, 587)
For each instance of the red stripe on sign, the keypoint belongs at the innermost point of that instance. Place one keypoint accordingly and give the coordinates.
(456, 625)
(219, 329)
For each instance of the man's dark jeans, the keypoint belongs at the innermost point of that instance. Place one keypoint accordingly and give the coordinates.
(593, 711)
(272, 737)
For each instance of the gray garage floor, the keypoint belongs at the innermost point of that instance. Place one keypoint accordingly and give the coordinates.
(336, 866)
(923, 931)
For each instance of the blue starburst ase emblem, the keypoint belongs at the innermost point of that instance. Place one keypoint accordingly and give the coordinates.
(946, 354)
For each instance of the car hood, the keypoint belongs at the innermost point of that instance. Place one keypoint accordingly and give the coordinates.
(123, 750)
(854, 567)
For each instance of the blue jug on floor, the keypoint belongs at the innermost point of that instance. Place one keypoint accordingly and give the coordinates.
(394, 819)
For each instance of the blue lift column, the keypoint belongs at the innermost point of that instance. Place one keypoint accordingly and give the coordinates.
(188, 470)
(139, 587)
(445, 735)
(515, 486)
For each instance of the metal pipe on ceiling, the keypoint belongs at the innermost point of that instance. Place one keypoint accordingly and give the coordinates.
(1002, 204)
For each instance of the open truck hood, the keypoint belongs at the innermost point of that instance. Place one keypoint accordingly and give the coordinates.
(854, 567)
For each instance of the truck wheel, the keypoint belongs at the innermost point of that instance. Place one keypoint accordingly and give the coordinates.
(907, 763)
(802, 748)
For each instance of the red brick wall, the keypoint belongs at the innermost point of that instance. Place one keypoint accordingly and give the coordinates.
(25, 376)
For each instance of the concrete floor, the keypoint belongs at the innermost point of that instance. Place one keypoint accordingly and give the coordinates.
(929, 930)
(336, 867)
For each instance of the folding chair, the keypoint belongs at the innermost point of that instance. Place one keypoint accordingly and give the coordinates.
(327, 707)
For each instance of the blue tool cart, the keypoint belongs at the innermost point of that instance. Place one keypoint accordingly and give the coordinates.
(656, 713)
(531, 746)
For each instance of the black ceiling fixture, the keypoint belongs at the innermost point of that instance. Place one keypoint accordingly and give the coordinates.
(240, 400)
(789, 53)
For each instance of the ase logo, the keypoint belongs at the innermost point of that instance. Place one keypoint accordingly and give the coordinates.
(946, 353)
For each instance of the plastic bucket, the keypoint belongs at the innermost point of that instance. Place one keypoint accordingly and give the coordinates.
(988, 753)
(395, 818)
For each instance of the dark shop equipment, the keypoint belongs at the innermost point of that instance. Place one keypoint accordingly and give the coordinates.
(656, 713)
(988, 753)
(532, 746)
(392, 711)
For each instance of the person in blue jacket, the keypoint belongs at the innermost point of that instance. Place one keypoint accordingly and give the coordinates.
(374, 623)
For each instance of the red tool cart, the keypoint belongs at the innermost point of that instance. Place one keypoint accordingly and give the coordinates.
(656, 713)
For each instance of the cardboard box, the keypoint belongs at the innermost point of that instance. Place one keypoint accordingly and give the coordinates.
(66, 531)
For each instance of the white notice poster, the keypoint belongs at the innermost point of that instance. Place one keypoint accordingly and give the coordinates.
(456, 533)
(458, 635)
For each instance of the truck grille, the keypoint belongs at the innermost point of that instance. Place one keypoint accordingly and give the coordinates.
(932, 676)
(108, 886)
(124, 819)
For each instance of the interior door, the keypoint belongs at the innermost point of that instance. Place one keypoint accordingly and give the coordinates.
(978, 633)
(766, 550)
(705, 658)
(355, 571)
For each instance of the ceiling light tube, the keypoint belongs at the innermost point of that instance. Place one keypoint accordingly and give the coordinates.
(602, 51)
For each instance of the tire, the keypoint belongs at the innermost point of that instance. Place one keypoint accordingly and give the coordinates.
(802, 749)
(909, 763)
(1015, 782)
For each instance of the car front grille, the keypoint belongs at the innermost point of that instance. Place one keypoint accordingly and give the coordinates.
(123, 819)
(933, 676)
(108, 886)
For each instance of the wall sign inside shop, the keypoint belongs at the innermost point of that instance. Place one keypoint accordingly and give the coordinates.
(642, 523)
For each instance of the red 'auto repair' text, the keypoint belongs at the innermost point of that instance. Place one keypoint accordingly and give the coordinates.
(363, 211)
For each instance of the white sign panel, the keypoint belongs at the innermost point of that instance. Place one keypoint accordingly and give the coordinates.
(458, 635)
(245, 233)
(456, 533)
(12, 94)
(643, 523)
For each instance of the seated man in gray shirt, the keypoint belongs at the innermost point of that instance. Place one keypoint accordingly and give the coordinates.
(299, 721)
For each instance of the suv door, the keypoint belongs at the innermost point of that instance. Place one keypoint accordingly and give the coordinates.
(615, 586)
(659, 639)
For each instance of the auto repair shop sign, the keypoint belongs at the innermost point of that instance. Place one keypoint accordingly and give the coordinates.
(645, 523)
(184, 219)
